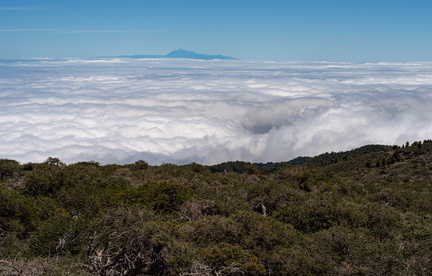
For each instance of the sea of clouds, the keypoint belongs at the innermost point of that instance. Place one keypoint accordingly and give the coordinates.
(183, 111)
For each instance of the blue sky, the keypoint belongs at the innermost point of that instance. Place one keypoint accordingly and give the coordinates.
(334, 30)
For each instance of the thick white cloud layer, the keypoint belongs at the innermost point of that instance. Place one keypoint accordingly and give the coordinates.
(182, 111)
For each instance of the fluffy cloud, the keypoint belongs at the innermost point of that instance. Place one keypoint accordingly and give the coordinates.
(181, 111)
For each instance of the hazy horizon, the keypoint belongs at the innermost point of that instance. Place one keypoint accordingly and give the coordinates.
(315, 30)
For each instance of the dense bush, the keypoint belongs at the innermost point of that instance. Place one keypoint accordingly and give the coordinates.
(363, 212)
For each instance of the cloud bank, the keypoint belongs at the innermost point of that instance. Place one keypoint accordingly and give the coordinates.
(182, 111)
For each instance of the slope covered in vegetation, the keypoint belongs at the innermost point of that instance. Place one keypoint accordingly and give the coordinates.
(364, 212)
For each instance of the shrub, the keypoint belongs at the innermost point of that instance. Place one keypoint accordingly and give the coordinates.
(57, 236)
(45, 179)
(18, 214)
(134, 241)
(226, 259)
(9, 169)
(163, 196)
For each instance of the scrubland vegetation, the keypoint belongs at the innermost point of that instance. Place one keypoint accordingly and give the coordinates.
(363, 212)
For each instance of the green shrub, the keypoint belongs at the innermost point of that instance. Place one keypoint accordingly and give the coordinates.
(45, 179)
(57, 236)
(9, 169)
(226, 259)
(135, 241)
(215, 229)
(18, 214)
(163, 196)
(312, 215)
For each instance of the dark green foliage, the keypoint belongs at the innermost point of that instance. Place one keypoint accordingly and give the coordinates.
(45, 179)
(19, 216)
(141, 165)
(9, 169)
(164, 196)
(228, 259)
(328, 158)
(246, 167)
(237, 166)
(57, 236)
(135, 241)
(197, 168)
(363, 212)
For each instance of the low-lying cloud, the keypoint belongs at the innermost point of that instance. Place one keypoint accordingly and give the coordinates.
(182, 111)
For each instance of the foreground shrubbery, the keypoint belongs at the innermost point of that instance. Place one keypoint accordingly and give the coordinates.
(364, 212)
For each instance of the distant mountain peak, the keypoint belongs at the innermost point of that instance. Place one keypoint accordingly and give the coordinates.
(180, 53)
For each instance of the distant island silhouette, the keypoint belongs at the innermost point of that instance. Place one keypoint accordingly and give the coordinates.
(180, 53)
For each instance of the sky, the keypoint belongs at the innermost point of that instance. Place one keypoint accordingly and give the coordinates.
(277, 30)
(183, 111)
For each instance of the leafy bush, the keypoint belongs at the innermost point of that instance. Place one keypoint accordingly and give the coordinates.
(9, 169)
(330, 215)
(163, 196)
(225, 259)
(57, 236)
(45, 179)
(18, 214)
(134, 241)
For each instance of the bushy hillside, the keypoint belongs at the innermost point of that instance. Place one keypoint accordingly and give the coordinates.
(363, 212)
